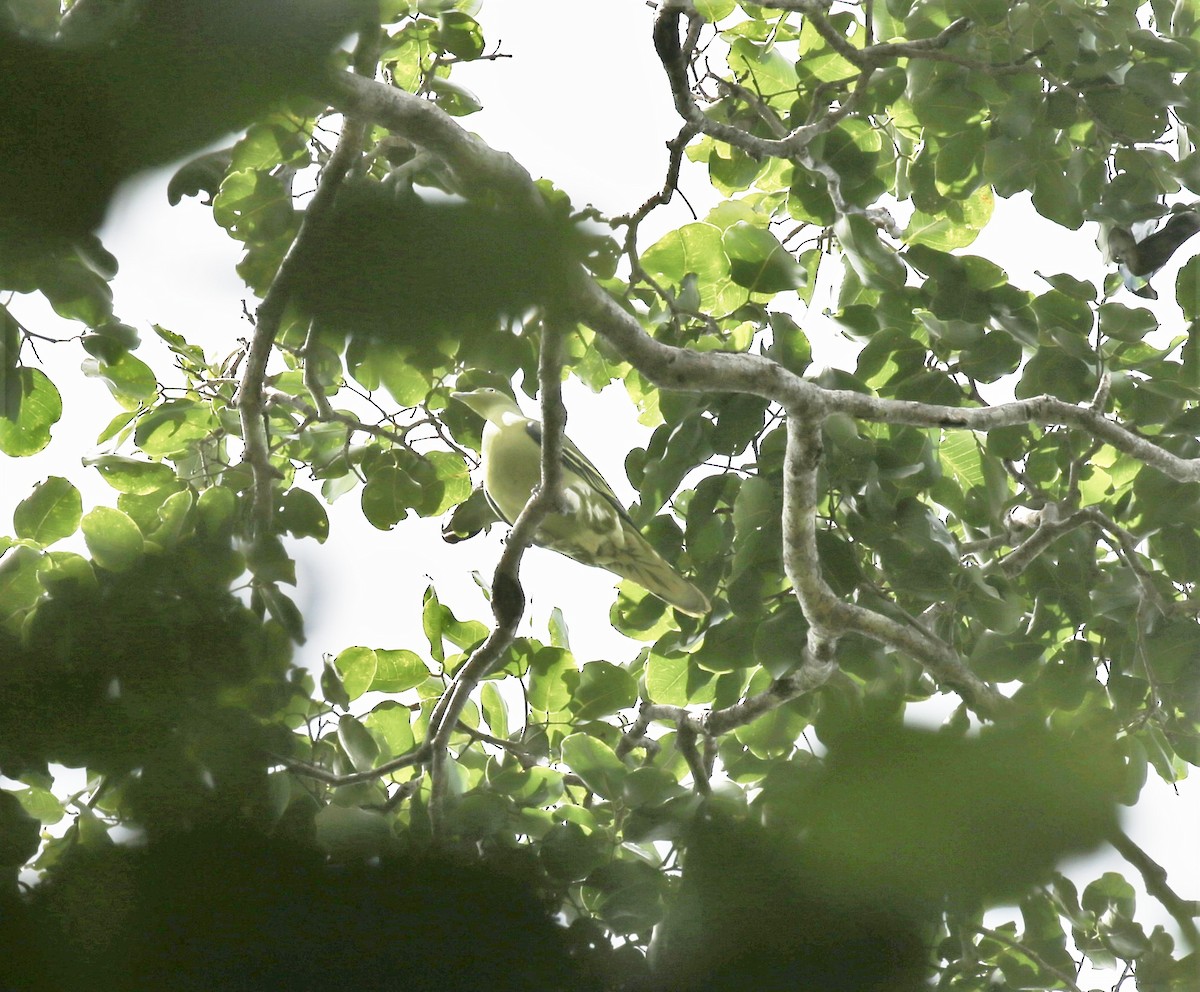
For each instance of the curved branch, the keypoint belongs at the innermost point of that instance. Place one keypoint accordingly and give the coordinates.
(494, 173)
(251, 400)
(508, 598)
(1185, 912)
(828, 616)
(676, 57)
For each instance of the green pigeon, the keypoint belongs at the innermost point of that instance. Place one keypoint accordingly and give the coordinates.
(595, 529)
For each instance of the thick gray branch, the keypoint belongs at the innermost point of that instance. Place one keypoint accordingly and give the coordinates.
(487, 173)
(828, 616)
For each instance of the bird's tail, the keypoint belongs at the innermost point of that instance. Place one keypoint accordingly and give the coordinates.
(640, 563)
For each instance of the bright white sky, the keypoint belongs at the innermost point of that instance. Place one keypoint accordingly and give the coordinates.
(563, 110)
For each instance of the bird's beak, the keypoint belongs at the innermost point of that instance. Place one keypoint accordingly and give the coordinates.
(467, 399)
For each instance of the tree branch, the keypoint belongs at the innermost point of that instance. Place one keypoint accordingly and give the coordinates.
(479, 167)
(676, 57)
(828, 616)
(250, 400)
(1003, 938)
(508, 598)
(1183, 911)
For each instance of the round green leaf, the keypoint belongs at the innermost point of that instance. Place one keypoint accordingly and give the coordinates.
(50, 513)
(348, 832)
(714, 10)
(696, 249)
(758, 261)
(604, 688)
(393, 721)
(676, 681)
(396, 671)
(596, 763)
(1187, 288)
(173, 427)
(129, 379)
(112, 538)
(302, 515)
(357, 668)
(40, 407)
(387, 496)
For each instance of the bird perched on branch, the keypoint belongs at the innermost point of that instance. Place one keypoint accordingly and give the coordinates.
(1139, 259)
(595, 529)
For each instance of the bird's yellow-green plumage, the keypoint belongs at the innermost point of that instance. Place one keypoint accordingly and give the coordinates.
(596, 529)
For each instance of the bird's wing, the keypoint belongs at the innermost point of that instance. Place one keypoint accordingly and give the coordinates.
(577, 462)
(602, 533)
(640, 562)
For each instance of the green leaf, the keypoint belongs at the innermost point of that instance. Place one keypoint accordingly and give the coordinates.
(77, 292)
(875, 264)
(19, 585)
(552, 678)
(216, 506)
(129, 379)
(386, 497)
(302, 515)
(113, 539)
(357, 742)
(20, 833)
(132, 475)
(356, 666)
(331, 686)
(1126, 323)
(604, 688)
(460, 35)
(696, 249)
(1187, 288)
(397, 671)
(596, 763)
(560, 636)
(758, 261)
(944, 103)
(675, 681)
(392, 721)
(955, 226)
(349, 833)
(454, 475)
(174, 427)
(455, 100)
(714, 10)
(40, 407)
(50, 513)
(41, 804)
(495, 710)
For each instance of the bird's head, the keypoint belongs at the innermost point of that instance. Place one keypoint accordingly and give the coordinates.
(489, 403)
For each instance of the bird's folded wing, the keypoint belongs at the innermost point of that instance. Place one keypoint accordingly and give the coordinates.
(575, 461)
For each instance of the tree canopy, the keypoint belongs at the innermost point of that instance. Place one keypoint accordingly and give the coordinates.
(996, 501)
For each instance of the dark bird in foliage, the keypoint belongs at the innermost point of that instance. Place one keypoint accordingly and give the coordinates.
(1138, 260)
